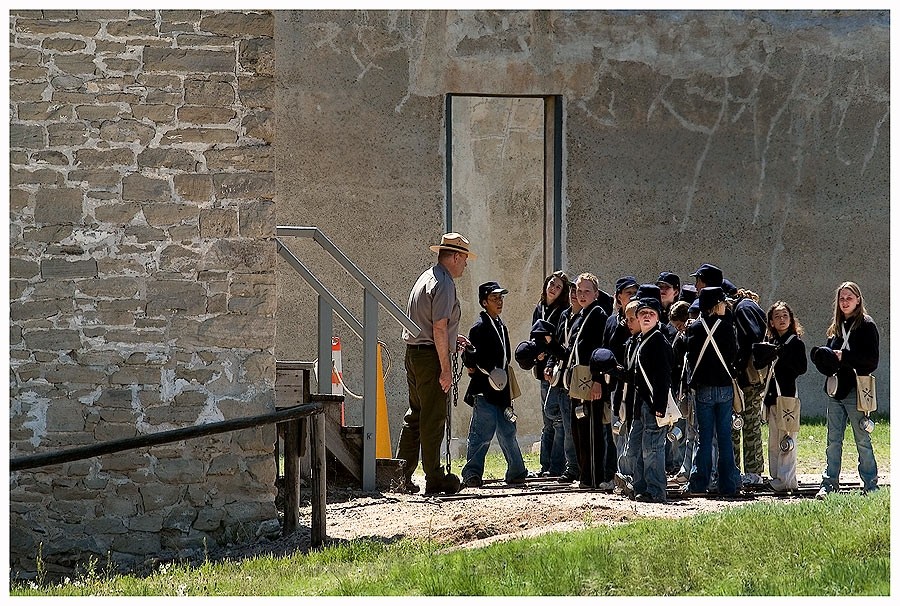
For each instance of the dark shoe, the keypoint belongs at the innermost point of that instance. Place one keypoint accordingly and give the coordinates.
(410, 487)
(645, 497)
(519, 480)
(567, 478)
(449, 484)
(870, 490)
(473, 482)
(823, 492)
(584, 485)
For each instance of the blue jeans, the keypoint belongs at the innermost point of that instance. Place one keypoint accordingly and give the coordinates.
(487, 420)
(560, 398)
(648, 441)
(837, 414)
(553, 458)
(713, 409)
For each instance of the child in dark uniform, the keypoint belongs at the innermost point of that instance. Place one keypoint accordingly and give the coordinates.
(489, 392)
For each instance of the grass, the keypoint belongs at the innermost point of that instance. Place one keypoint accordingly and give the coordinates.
(836, 547)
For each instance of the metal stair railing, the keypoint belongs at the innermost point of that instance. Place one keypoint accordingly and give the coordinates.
(367, 330)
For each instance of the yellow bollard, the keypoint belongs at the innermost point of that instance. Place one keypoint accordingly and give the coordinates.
(382, 427)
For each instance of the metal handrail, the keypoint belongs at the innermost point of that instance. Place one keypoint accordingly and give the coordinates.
(367, 330)
(355, 272)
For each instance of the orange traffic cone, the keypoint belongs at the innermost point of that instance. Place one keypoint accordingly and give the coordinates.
(337, 372)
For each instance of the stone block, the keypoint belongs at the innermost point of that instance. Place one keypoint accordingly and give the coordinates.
(193, 187)
(40, 177)
(25, 56)
(260, 124)
(53, 339)
(218, 223)
(65, 415)
(67, 134)
(23, 268)
(63, 45)
(208, 136)
(208, 519)
(239, 255)
(204, 114)
(180, 471)
(244, 185)
(232, 331)
(192, 39)
(138, 543)
(27, 73)
(26, 92)
(123, 287)
(184, 233)
(27, 136)
(239, 24)
(118, 425)
(214, 93)
(100, 158)
(136, 375)
(127, 131)
(257, 158)
(159, 113)
(98, 112)
(79, 64)
(176, 159)
(50, 157)
(34, 309)
(71, 374)
(60, 268)
(156, 496)
(97, 179)
(178, 258)
(186, 295)
(62, 291)
(131, 28)
(256, 91)
(49, 235)
(165, 215)
(44, 111)
(139, 188)
(58, 206)
(118, 213)
(142, 234)
(257, 55)
(257, 219)
(45, 27)
(188, 60)
(179, 17)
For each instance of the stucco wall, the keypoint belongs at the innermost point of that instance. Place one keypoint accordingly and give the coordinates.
(142, 287)
(757, 141)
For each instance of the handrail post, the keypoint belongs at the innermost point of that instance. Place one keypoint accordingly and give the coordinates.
(370, 391)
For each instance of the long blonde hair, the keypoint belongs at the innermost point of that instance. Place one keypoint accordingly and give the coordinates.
(858, 314)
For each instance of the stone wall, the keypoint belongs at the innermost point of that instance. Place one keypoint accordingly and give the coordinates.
(142, 289)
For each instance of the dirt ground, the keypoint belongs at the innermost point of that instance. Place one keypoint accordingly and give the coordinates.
(479, 516)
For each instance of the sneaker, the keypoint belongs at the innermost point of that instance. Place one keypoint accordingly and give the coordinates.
(681, 478)
(823, 492)
(606, 486)
(473, 482)
(751, 478)
(449, 484)
(567, 478)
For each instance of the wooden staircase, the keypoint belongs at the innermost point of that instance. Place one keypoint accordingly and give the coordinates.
(343, 443)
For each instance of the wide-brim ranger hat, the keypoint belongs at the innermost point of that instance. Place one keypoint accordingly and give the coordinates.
(455, 242)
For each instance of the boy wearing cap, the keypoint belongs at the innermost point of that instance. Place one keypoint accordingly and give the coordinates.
(653, 382)
(711, 348)
(615, 334)
(669, 290)
(489, 392)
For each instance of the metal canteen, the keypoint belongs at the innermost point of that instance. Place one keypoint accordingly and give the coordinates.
(510, 414)
(498, 379)
(786, 444)
(737, 422)
(674, 434)
(867, 424)
(579, 411)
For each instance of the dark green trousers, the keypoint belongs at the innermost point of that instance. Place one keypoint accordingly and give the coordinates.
(425, 422)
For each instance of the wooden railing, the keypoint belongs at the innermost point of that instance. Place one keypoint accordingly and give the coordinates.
(290, 421)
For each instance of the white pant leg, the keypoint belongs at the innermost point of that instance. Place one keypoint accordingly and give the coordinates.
(782, 465)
